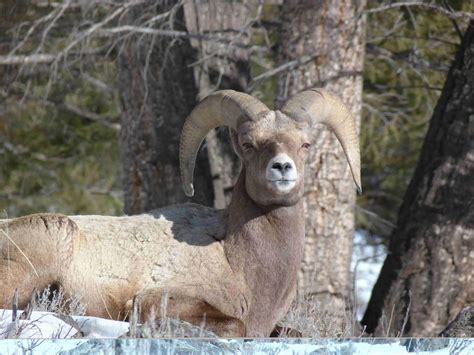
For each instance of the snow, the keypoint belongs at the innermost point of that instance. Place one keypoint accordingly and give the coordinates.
(50, 325)
(437, 346)
(367, 260)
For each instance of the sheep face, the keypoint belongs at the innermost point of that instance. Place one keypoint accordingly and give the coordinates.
(273, 150)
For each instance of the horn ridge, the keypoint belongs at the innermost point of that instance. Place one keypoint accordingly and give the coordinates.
(224, 107)
(320, 106)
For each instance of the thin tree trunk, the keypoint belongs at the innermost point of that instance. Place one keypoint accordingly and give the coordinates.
(158, 91)
(428, 276)
(221, 66)
(333, 32)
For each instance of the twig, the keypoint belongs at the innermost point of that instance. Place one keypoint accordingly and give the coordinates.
(431, 6)
(44, 58)
(106, 88)
(15, 305)
(48, 28)
(27, 59)
(85, 34)
(32, 29)
(406, 56)
(135, 316)
(169, 33)
(405, 319)
(390, 321)
(282, 68)
(71, 322)
(31, 305)
(92, 116)
(453, 21)
(376, 216)
(95, 28)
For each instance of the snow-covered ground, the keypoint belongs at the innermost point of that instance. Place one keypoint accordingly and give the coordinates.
(356, 346)
(50, 325)
(367, 260)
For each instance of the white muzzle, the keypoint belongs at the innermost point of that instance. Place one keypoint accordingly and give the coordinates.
(281, 173)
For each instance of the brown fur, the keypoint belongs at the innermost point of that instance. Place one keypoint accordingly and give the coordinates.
(236, 268)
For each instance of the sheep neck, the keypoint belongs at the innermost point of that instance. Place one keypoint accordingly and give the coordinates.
(264, 245)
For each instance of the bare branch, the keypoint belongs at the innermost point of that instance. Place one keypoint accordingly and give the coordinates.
(378, 218)
(27, 59)
(408, 57)
(283, 68)
(33, 28)
(46, 58)
(104, 87)
(431, 6)
(172, 33)
(91, 116)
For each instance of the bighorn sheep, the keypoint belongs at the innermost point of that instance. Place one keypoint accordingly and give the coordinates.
(235, 268)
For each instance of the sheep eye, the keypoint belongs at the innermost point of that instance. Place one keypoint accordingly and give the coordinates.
(306, 145)
(247, 146)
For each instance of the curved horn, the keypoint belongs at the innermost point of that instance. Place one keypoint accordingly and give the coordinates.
(320, 106)
(225, 107)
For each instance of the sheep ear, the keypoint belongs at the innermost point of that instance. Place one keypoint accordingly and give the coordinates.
(235, 142)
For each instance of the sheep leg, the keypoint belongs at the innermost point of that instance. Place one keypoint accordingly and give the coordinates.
(218, 323)
(185, 305)
(29, 255)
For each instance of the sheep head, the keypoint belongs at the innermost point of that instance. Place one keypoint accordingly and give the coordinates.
(273, 149)
(272, 145)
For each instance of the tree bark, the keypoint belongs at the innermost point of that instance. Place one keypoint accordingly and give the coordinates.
(158, 91)
(221, 66)
(428, 275)
(333, 34)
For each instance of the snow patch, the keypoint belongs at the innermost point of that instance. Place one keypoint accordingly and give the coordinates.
(367, 260)
(50, 325)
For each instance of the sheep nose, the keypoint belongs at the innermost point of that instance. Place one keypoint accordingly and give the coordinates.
(282, 167)
(281, 170)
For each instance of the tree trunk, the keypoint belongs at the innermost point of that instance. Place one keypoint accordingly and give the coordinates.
(332, 33)
(158, 91)
(221, 66)
(428, 276)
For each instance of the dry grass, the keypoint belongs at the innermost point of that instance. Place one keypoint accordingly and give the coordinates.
(313, 319)
(305, 318)
(51, 300)
(164, 327)
(55, 300)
